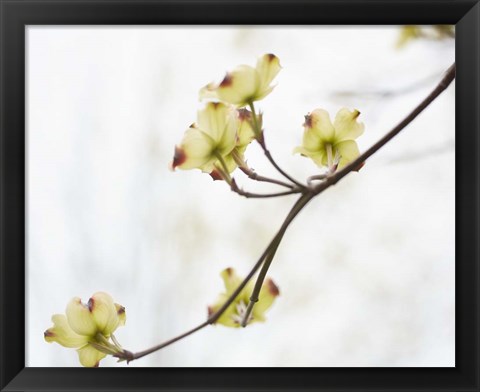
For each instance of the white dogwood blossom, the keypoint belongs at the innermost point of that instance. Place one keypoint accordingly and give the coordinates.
(331, 145)
(88, 327)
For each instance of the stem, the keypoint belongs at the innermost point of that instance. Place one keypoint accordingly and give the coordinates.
(272, 161)
(234, 187)
(251, 173)
(224, 170)
(250, 195)
(257, 130)
(254, 176)
(329, 156)
(317, 177)
(261, 141)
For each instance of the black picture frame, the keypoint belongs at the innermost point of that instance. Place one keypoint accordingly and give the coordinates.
(16, 14)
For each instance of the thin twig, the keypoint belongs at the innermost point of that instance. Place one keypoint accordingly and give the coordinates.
(256, 177)
(272, 161)
(249, 195)
(261, 140)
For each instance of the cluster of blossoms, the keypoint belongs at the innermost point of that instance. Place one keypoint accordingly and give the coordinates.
(216, 143)
(89, 328)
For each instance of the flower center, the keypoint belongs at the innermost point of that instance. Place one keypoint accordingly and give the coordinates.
(332, 159)
(328, 147)
(241, 308)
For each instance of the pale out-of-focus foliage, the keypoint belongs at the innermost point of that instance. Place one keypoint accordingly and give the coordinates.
(436, 32)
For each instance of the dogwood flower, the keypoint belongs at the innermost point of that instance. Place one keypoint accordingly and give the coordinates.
(234, 314)
(331, 145)
(245, 84)
(88, 327)
(206, 143)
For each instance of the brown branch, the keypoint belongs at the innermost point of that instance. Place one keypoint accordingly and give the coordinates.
(275, 165)
(249, 195)
(261, 140)
(256, 177)
(298, 206)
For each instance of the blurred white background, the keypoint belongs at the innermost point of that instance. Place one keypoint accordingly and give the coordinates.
(366, 271)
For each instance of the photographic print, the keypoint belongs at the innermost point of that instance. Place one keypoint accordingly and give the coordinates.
(167, 165)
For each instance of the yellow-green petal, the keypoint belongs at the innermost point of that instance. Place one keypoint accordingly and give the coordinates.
(229, 138)
(122, 315)
(346, 125)
(80, 318)
(245, 132)
(63, 334)
(268, 66)
(267, 296)
(239, 86)
(317, 127)
(229, 163)
(230, 279)
(348, 151)
(104, 312)
(209, 92)
(90, 357)
(318, 156)
(226, 317)
(212, 120)
(312, 141)
(195, 151)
